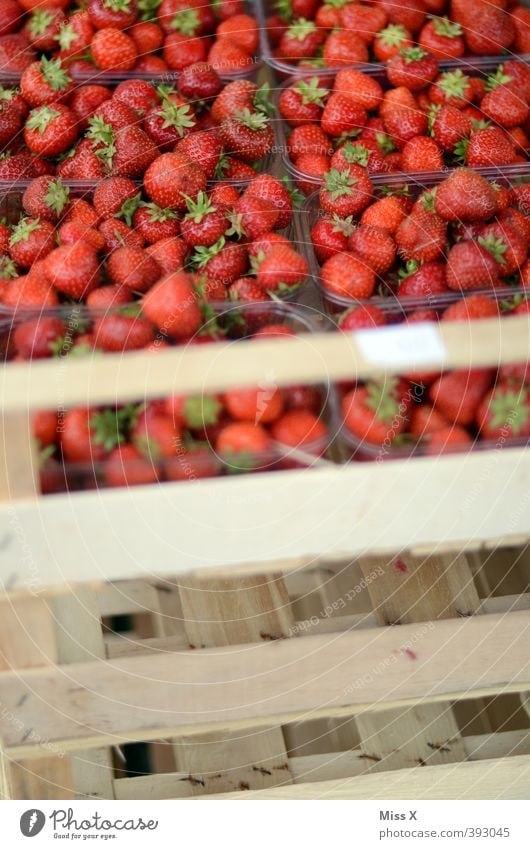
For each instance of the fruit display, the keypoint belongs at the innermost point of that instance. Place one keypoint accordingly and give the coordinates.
(462, 234)
(181, 438)
(53, 125)
(413, 117)
(150, 37)
(308, 34)
(431, 414)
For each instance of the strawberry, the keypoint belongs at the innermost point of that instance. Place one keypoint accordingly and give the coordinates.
(44, 425)
(85, 435)
(204, 224)
(424, 281)
(247, 134)
(45, 82)
(189, 17)
(443, 38)
(401, 116)
(223, 262)
(106, 297)
(247, 290)
(471, 266)
(329, 236)
(166, 124)
(377, 412)
(342, 116)
(10, 12)
(34, 339)
(16, 53)
(422, 236)
(261, 405)
(409, 13)
(425, 420)
(73, 231)
(148, 38)
(181, 50)
(73, 269)
(505, 412)
(171, 305)
(172, 177)
(346, 192)
(365, 21)
(301, 40)
(421, 154)
(344, 48)
(413, 68)
(75, 35)
(385, 214)
(120, 14)
(50, 130)
(241, 445)
(348, 276)
(516, 219)
(271, 189)
(204, 147)
(363, 316)
(506, 244)
(122, 330)
(282, 270)
(114, 113)
(363, 90)
(450, 125)
(505, 105)
(125, 466)
(452, 88)
(134, 152)
(519, 75)
(241, 30)
(302, 102)
(373, 246)
(86, 100)
(151, 65)
(487, 147)
(154, 223)
(449, 438)
(234, 97)
(314, 166)
(491, 32)
(113, 50)
(199, 81)
(390, 41)
(30, 291)
(471, 308)
(254, 216)
(45, 198)
(118, 234)
(458, 394)
(300, 428)
(169, 253)
(114, 196)
(139, 95)
(259, 248)
(465, 196)
(10, 122)
(30, 241)
(133, 268)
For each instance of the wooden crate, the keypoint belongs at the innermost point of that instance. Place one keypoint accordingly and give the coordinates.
(356, 650)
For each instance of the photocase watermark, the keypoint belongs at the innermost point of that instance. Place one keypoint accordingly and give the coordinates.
(64, 824)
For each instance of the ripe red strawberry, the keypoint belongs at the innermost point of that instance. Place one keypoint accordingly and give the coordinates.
(154, 223)
(519, 75)
(413, 68)
(32, 290)
(302, 102)
(516, 219)
(73, 269)
(301, 40)
(75, 35)
(118, 234)
(261, 405)
(112, 13)
(471, 266)
(35, 339)
(386, 214)
(422, 236)
(346, 192)
(348, 276)
(389, 41)
(363, 316)
(365, 21)
(45, 198)
(452, 88)
(365, 91)
(491, 31)
(223, 262)
(44, 82)
(73, 231)
(113, 50)
(248, 135)
(139, 95)
(506, 244)
(106, 297)
(204, 147)
(421, 154)
(115, 113)
(172, 177)
(50, 130)
(505, 105)
(247, 290)
(374, 246)
(10, 13)
(204, 224)
(182, 50)
(259, 248)
(457, 394)
(342, 115)
(465, 196)
(122, 330)
(169, 253)
(10, 122)
(450, 126)
(425, 420)
(344, 47)
(271, 189)
(168, 122)
(190, 17)
(86, 100)
(443, 38)
(472, 308)
(112, 194)
(489, 146)
(240, 29)
(30, 241)
(125, 466)
(329, 236)
(148, 37)
(16, 53)
(282, 270)
(199, 81)
(134, 152)
(505, 412)
(401, 116)
(426, 281)
(377, 411)
(234, 97)
(133, 268)
(254, 216)
(171, 305)
(300, 428)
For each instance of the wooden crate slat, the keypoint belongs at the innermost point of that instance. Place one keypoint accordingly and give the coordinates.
(113, 535)
(308, 358)
(285, 680)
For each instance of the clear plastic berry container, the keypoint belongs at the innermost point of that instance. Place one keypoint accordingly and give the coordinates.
(197, 455)
(385, 295)
(285, 67)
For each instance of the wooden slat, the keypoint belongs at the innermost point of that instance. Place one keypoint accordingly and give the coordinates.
(284, 680)
(305, 359)
(344, 511)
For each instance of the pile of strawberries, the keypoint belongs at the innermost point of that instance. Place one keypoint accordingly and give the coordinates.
(146, 266)
(425, 121)
(466, 234)
(51, 125)
(308, 33)
(148, 36)
(186, 438)
(435, 413)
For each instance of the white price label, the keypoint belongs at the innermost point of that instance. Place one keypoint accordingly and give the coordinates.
(402, 345)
